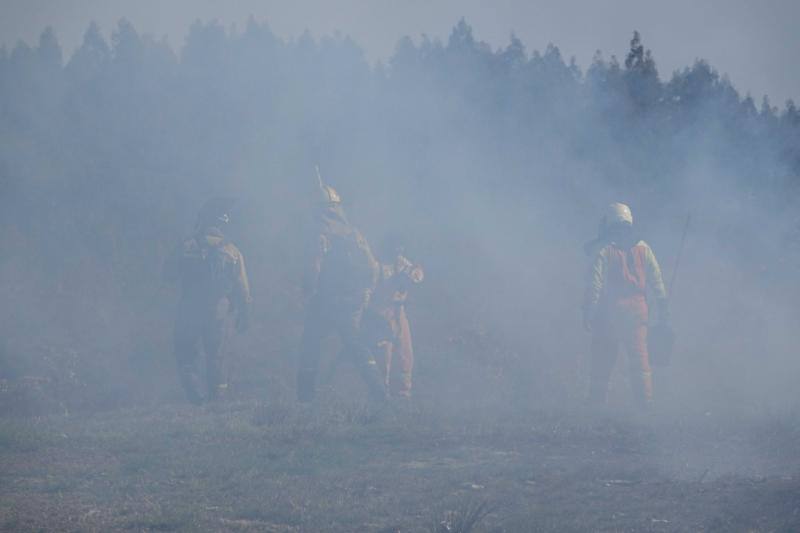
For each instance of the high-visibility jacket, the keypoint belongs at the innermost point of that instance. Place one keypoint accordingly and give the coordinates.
(619, 279)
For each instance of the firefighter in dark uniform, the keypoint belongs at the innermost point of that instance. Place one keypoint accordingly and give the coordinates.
(215, 295)
(340, 277)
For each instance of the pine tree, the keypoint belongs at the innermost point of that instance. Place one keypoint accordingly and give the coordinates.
(641, 76)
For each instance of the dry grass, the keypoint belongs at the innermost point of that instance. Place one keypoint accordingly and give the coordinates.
(345, 466)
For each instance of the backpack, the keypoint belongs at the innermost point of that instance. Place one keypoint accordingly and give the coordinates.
(346, 264)
(209, 269)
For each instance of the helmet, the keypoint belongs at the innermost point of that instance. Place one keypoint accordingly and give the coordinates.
(618, 213)
(328, 195)
(216, 210)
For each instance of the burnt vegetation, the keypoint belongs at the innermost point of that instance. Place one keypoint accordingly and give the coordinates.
(493, 163)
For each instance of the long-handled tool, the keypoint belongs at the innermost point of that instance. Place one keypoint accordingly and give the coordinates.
(661, 337)
(671, 286)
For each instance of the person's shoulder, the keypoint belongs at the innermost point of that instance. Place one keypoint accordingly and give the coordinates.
(232, 250)
(601, 251)
(645, 250)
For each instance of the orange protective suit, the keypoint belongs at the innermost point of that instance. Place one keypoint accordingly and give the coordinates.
(388, 325)
(399, 343)
(616, 311)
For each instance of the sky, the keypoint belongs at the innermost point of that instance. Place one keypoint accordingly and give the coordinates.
(754, 42)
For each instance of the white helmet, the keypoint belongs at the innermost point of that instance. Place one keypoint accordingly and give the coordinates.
(618, 213)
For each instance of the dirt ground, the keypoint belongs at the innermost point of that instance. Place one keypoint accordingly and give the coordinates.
(338, 465)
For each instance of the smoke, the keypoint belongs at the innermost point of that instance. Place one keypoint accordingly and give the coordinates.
(494, 164)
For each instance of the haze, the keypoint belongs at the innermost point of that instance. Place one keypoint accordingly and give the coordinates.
(138, 174)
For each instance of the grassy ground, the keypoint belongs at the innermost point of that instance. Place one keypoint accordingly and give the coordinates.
(249, 465)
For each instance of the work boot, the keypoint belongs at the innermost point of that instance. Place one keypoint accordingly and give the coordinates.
(189, 381)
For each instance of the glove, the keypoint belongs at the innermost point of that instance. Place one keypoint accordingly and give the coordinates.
(242, 321)
(663, 310)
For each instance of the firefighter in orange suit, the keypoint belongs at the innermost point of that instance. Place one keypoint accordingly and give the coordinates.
(623, 270)
(388, 326)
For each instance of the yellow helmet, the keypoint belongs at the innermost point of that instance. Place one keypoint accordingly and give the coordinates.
(618, 213)
(328, 195)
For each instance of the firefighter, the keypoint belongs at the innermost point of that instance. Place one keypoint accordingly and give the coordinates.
(389, 330)
(215, 295)
(615, 308)
(340, 277)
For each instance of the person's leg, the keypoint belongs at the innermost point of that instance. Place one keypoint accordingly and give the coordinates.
(386, 348)
(310, 346)
(604, 355)
(641, 375)
(215, 337)
(406, 352)
(349, 322)
(185, 340)
(337, 360)
(389, 331)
